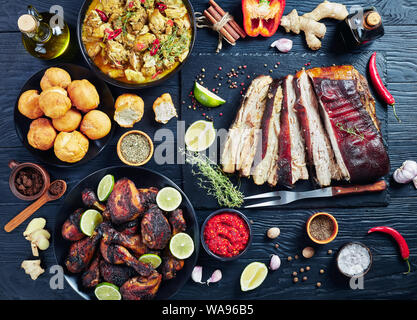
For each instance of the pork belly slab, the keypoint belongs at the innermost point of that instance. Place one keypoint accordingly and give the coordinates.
(242, 140)
(266, 169)
(348, 111)
(319, 153)
(291, 150)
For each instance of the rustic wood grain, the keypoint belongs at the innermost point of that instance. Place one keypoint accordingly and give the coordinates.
(384, 281)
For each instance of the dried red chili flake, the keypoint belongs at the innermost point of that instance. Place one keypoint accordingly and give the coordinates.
(114, 34)
(155, 47)
(103, 15)
(170, 22)
(156, 74)
(131, 4)
(161, 6)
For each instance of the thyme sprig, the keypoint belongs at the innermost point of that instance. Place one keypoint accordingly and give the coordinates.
(354, 131)
(211, 178)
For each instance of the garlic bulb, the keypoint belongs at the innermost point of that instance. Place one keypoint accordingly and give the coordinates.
(284, 45)
(406, 173)
(275, 262)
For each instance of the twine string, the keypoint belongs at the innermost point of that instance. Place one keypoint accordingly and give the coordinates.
(202, 22)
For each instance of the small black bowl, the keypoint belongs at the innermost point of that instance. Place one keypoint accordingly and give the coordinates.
(204, 244)
(126, 85)
(356, 275)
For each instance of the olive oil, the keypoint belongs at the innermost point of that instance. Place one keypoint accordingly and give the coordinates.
(42, 37)
(361, 28)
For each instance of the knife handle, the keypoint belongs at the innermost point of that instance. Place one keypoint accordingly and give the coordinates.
(374, 187)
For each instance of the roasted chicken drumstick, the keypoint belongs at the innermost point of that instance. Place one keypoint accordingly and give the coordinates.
(81, 253)
(177, 221)
(116, 273)
(141, 288)
(71, 228)
(91, 277)
(155, 229)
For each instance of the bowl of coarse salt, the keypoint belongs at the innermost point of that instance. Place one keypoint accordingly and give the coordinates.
(354, 259)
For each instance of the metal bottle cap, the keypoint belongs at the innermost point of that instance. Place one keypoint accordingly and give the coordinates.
(27, 23)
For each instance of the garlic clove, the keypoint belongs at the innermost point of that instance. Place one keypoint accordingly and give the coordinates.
(283, 45)
(197, 274)
(415, 182)
(215, 277)
(406, 173)
(275, 262)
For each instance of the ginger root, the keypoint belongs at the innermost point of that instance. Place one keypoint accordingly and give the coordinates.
(33, 268)
(309, 22)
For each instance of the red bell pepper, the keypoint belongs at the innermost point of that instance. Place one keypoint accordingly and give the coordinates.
(262, 16)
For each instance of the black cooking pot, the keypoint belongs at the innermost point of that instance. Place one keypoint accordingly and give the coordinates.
(116, 82)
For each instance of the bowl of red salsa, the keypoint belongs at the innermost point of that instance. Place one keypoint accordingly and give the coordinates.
(226, 234)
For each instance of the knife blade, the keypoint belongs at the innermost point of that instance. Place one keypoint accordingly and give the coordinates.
(284, 197)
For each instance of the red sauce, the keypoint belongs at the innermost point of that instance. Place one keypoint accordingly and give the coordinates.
(226, 234)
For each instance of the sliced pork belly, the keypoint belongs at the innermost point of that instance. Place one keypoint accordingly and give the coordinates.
(348, 111)
(266, 169)
(291, 149)
(242, 140)
(319, 153)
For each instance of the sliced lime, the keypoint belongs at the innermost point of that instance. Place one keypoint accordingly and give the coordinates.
(107, 291)
(168, 199)
(181, 246)
(253, 276)
(200, 135)
(206, 97)
(90, 219)
(153, 259)
(105, 187)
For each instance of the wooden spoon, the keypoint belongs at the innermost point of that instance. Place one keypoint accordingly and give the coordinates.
(26, 213)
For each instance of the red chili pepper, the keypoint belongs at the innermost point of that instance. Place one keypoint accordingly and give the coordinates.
(405, 252)
(161, 6)
(131, 4)
(103, 15)
(114, 34)
(155, 47)
(379, 85)
(156, 73)
(170, 22)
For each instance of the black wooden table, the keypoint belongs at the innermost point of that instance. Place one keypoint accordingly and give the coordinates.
(384, 281)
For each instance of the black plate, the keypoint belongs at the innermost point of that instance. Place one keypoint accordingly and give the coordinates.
(106, 105)
(121, 84)
(143, 178)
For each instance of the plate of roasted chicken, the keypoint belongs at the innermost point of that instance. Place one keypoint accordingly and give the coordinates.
(132, 226)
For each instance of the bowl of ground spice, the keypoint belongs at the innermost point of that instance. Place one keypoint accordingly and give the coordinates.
(322, 227)
(135, 148)
(28, 181)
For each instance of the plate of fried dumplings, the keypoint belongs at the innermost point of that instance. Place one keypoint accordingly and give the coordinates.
(63, 115)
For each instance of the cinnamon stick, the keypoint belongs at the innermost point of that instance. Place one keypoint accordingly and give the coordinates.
(223, 31)
(233, 23)
(218, 17)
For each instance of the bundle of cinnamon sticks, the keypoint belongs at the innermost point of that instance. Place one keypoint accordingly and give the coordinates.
(231, 30)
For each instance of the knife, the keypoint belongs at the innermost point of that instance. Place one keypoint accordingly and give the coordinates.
(285, 197)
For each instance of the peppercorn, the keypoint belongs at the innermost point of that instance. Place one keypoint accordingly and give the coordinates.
(296, 257)
(329, 251)
(321, 271)
(318, 284)
(294, 273)
(308, 268)
(289, 258)
(301, 269)
(304, 278)
(295, 280)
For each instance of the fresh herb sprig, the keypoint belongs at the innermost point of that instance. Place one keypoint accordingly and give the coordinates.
(212, 179)
(354, 131)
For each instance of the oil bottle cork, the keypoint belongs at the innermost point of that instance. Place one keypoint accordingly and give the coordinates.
(27, 23)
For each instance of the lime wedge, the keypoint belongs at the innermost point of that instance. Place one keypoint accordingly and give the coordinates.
(206, 97)
(105, 187)
(200, 135)
(253, 276)
(90, 219)
(181, 246)
(168, 199)
(153, 259)
(107, 291)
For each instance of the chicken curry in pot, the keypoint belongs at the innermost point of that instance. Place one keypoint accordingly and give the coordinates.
(137, 41)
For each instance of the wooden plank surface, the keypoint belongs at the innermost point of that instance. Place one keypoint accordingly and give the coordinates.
(385, 280)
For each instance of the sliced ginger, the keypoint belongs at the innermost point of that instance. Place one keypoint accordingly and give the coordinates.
(309, 23)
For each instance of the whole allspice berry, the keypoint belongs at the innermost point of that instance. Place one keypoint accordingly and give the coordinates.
(308, 268)
(321, 271)
(304, 278)
(318, 284)
(289, 258)
(294, 273)
(301, 269)
(295, 280)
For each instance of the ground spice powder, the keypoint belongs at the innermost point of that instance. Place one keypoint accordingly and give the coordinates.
(321, 228)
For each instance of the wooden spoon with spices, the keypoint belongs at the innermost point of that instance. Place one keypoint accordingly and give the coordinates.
(55, 191)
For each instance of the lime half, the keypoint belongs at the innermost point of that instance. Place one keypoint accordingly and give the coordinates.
(107, 291)
(200, 135)
(105, 187)
(153, 259)
(168, 199)
(181, 246)
(206, 97)
(90, 219)
(253, 276)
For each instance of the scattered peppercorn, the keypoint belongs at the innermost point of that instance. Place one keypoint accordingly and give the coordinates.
(321, 271)
(308, 268)
(301, 269)
(276, 245)
(329, 251)
(294, 273)
(304, 278)
(296, 257)
(318, 284)
(295, 280)
(289, 258)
